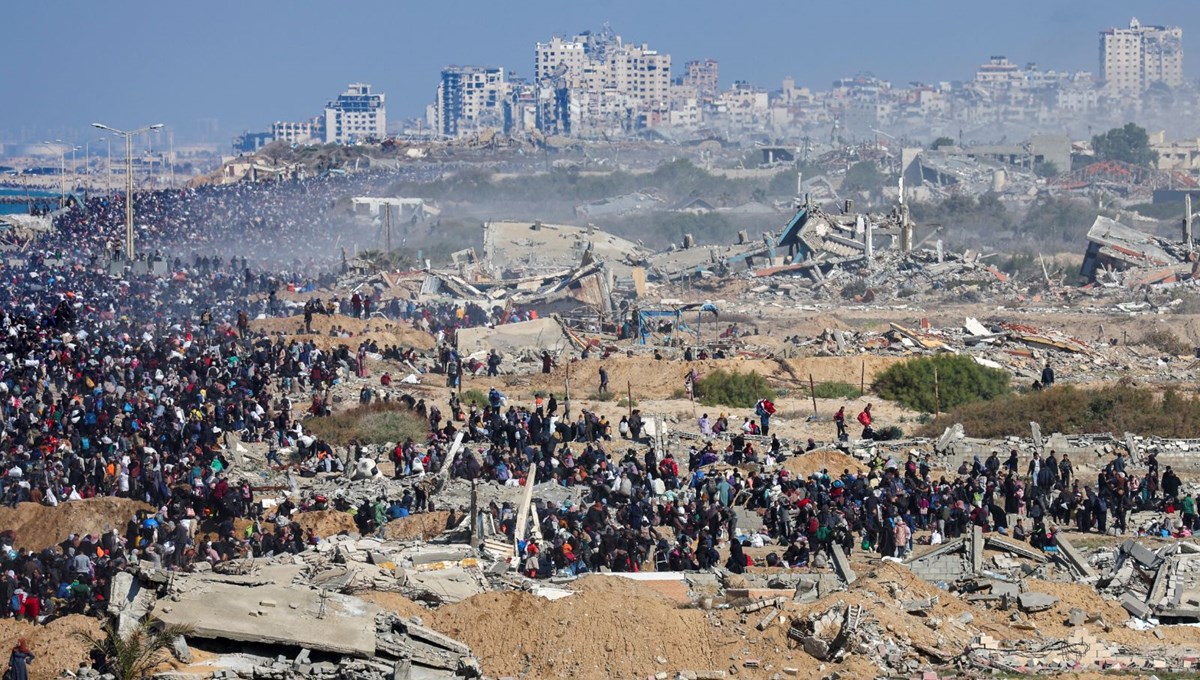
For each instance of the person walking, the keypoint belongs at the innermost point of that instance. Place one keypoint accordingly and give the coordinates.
(865, 419)
(764, 409)
(18, 661)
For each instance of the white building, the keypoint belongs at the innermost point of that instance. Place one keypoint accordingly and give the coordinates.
(470, 99)
(1132, 59)
(298, 133)
(595, 82)
(357, 115)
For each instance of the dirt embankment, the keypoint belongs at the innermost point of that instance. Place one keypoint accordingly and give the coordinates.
(652, 379)
(56, 646)
(382, 331)
(613, 628)
(326, 523)
(40, 526)
(423, 526)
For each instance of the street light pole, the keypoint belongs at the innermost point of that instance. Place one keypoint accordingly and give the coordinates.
(62, 171)
(129, 198)
(74, 169)
(128, 135)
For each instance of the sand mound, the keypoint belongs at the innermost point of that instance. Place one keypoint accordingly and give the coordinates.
(382, 331)
(651, 379)
(40, 526)
(55, 646)
(394, 602)
(1052, 622)
(423, 526)
(326, 522)
(611, 628)
(822, 459)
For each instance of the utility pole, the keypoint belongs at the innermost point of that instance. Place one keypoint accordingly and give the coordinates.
(62, 171)
(387, 227)
(1187, 221)
(171, 158)
(62, 179)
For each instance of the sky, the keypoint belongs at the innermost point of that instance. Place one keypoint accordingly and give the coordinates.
(230, 66)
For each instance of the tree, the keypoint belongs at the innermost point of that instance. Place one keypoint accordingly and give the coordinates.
(1059, 218)
(863, 176)
(1045, 169)
(135, 655)
(940, 142)
(1129, 144)
(960, 381)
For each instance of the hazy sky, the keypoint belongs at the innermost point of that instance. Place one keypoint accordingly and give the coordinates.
(247, 63)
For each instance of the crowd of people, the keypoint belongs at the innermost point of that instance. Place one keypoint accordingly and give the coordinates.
(648, 507)
(131, 386)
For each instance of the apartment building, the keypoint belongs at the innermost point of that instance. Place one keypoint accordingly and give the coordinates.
(298, 133)
(1132, 59)
(356, 115)
(469, 99)
(704, 76)
(594, 82)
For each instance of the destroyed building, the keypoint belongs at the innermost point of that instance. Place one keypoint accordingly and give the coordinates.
(1117, 254)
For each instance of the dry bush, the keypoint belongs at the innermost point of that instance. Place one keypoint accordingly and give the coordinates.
(377, 423)
(1069, 410)
(1164, 340)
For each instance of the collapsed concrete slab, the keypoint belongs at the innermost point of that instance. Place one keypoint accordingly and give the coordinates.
(842, 565)
(128, 601)
(272, 614)
(1036, 602)
(539, 334)
(1074, 559)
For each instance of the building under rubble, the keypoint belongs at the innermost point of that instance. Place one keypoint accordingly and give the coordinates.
(1117, 254)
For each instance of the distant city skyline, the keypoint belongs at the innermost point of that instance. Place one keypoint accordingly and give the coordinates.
(248, 65)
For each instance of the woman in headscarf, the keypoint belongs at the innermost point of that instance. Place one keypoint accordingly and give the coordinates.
(737, 558)
(18, 662)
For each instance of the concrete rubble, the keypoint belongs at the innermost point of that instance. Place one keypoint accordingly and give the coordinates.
(283, 604)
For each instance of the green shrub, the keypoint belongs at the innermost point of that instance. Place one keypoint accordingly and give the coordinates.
(473, 396)
(601, 396)
(960, 381)
(626, 403)
(836, 390)
(889, 433)
(738, 390)
(1072, 410)
(376, 423)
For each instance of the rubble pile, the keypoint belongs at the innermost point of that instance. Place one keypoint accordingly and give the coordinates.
(1155, 585)
(297, 603)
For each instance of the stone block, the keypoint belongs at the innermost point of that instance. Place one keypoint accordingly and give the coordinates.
(1141, 553)
(1135, 606)
(1036, 602)
(180, 650)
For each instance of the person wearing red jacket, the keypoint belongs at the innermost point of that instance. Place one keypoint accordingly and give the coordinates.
(865, 420)
(764, 409)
